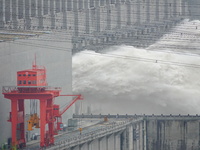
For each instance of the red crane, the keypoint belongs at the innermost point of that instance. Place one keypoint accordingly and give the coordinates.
(31, 84)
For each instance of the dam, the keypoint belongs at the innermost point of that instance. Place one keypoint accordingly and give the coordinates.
(133, 132)
(59, 32)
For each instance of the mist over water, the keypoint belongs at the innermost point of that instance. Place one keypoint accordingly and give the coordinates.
(155, 80)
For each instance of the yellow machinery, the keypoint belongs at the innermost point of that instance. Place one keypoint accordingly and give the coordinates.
(105, 119)
(80, 129)
(33, 122)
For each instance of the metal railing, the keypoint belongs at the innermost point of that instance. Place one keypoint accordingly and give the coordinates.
(8, 89)
(135, 116)
(28, 89)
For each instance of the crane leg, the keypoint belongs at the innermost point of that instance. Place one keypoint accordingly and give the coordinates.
(14, 122)
(42, 121)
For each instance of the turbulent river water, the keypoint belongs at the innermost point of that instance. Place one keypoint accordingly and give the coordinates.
(161, 79)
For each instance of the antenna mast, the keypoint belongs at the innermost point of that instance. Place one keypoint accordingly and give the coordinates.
(34, 63)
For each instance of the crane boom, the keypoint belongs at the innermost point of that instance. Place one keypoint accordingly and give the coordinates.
(78, 97)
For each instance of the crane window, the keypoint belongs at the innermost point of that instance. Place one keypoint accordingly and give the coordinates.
(24, 82)
(34, 82)
(19, 82)
(29, 82)
(24, 74)
(19, 75)
(34, 75)
(29, 75)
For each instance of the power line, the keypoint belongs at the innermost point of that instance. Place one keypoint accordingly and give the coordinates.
(148, 60)
(120, 56)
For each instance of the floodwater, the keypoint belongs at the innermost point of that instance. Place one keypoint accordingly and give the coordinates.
(161, 79)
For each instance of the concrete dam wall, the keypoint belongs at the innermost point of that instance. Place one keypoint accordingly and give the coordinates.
(182, 133)
(132, 22)
(154, 132)
(96, 22)
(167, 133)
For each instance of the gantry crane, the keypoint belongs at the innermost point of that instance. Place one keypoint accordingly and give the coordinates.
(32, 85)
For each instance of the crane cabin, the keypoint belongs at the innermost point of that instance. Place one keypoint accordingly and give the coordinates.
(32, 77)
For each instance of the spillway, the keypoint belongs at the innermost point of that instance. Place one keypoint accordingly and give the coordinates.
(162, 78)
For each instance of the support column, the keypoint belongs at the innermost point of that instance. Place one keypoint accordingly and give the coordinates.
(175, 8)
(57, 6)
(91, 3)
(157, 10)
(108, 15)
(27, 15)
(128, 4)
(98, 146)
(138, 135)
(102, 2)
(14, 14)
(123, 141)
(144, 129)
(46, 5)
(2, 13)
(87, 21)
(33, 8)
(75, 8)
(50, 121)
(80, 5)
(21, 120)
(148, 11)
(43, 105)
(135, 136)
(115, 141)
(7, 10)
(52, 13)
(97, 15)
(64, 11)
(170, 8)
(14, 121)
(40, 13)
(107, 137)
(138, 12)
(166, 11)
(93, 20)
(20, 9)
(130, 137)
(71, 148)
(79, 147)
(69, 5)
(118, 14)
(183, 8)
(89, 145)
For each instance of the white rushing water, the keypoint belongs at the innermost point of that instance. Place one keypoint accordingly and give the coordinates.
(155, 80)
